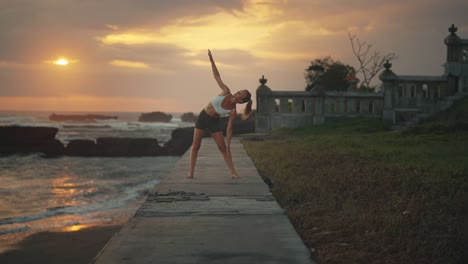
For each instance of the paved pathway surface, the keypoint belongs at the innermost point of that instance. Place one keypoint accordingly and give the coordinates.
(209, 219)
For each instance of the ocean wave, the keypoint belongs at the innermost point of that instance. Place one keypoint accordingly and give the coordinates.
(122, 126)
(131, 194)
(21, 120)
(25, 219)
(25, 124)
(14, 230)
(8, 119)
(87, 126)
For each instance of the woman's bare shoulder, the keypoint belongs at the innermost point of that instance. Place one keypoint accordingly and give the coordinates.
(224, 93)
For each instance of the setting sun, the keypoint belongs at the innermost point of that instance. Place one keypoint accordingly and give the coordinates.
(61, 61)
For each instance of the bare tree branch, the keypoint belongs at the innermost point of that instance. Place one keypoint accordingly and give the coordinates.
(369, 66)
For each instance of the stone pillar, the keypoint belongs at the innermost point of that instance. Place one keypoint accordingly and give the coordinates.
(283, 106)
(319, 116)
(419, 95)
(340, 105)
(461, 86)
(265, 106)
(455, 62)
(389, 80)
(454, 45)
(309, 105)
(297, 104)
(352, 106)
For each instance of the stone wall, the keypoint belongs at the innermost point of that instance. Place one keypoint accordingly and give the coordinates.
(407, 99)
(291, 109)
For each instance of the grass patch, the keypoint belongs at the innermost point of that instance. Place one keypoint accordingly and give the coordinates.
(357, 193)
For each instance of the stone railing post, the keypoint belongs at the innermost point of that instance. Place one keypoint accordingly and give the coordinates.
(389, 80)
(265, 106)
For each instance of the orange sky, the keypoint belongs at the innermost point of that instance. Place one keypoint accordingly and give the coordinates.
(151, 56)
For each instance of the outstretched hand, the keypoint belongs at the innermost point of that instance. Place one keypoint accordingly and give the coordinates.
(209, 54)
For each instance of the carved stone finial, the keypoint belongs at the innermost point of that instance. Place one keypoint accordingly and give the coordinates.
(387, 74)
(387, 65)
(453, 29)
(263, 81)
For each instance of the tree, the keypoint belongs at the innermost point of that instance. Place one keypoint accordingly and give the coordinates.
(330, 73)
(369, 65)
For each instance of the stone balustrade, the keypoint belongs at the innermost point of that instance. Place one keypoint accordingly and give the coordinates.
(291, 109)
(405, 99)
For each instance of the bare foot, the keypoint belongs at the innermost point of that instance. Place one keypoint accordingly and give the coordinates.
(189, 177)
(235, 176)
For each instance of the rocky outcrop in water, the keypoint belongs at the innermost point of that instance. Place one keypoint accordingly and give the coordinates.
(129, 147)
(82, 148)
(132, 147)
(18, 133)
(240, 126)
(81, 118)
(181, 140)
(24, 140)
(14, 139)
(114, 147)
(188, 117)
(155, 117)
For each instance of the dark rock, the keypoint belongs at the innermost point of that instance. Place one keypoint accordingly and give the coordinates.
(188, 117)
(18, 133)
(181, 140)
(24, 140)
(114, 147)
(82, 147)
(50, 147)
(128, 147)
(85, 118)
(42, 140)
(155, 117)
(239, 126)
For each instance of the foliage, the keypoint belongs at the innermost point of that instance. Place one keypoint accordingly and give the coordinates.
(332, 78)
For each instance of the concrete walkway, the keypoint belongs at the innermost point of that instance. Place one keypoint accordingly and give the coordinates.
(209, 219)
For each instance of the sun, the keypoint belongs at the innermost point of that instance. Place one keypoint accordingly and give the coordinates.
(61, 62)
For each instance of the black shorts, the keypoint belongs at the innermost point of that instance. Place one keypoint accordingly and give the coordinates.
(207, 122)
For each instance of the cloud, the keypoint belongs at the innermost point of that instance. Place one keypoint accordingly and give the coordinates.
(224, 30)
(157, 49)
(33, 30)
(129, 64)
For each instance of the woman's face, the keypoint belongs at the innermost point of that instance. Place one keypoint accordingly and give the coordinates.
(240, 95)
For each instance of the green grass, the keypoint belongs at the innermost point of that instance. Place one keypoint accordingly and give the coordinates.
(358, 193)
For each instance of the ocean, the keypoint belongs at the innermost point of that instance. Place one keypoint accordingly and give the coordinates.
(71, 193)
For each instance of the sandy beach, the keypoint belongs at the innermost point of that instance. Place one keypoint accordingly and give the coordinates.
(61, 247)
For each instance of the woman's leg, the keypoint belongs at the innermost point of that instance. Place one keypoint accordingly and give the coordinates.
(219, 139)
(197, 139)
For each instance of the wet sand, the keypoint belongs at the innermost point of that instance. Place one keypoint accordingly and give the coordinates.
(78, 247)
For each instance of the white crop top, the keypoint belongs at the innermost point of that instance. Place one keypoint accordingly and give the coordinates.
(216, 102)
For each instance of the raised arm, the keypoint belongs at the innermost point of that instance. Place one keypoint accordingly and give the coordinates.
(217, 76)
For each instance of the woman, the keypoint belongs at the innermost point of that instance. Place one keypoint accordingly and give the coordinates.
(222, 105)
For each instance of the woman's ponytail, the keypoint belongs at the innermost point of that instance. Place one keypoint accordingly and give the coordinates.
(247, 110)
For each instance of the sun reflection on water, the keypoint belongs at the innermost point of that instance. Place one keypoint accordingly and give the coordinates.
(75, 228)
(67, 192)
